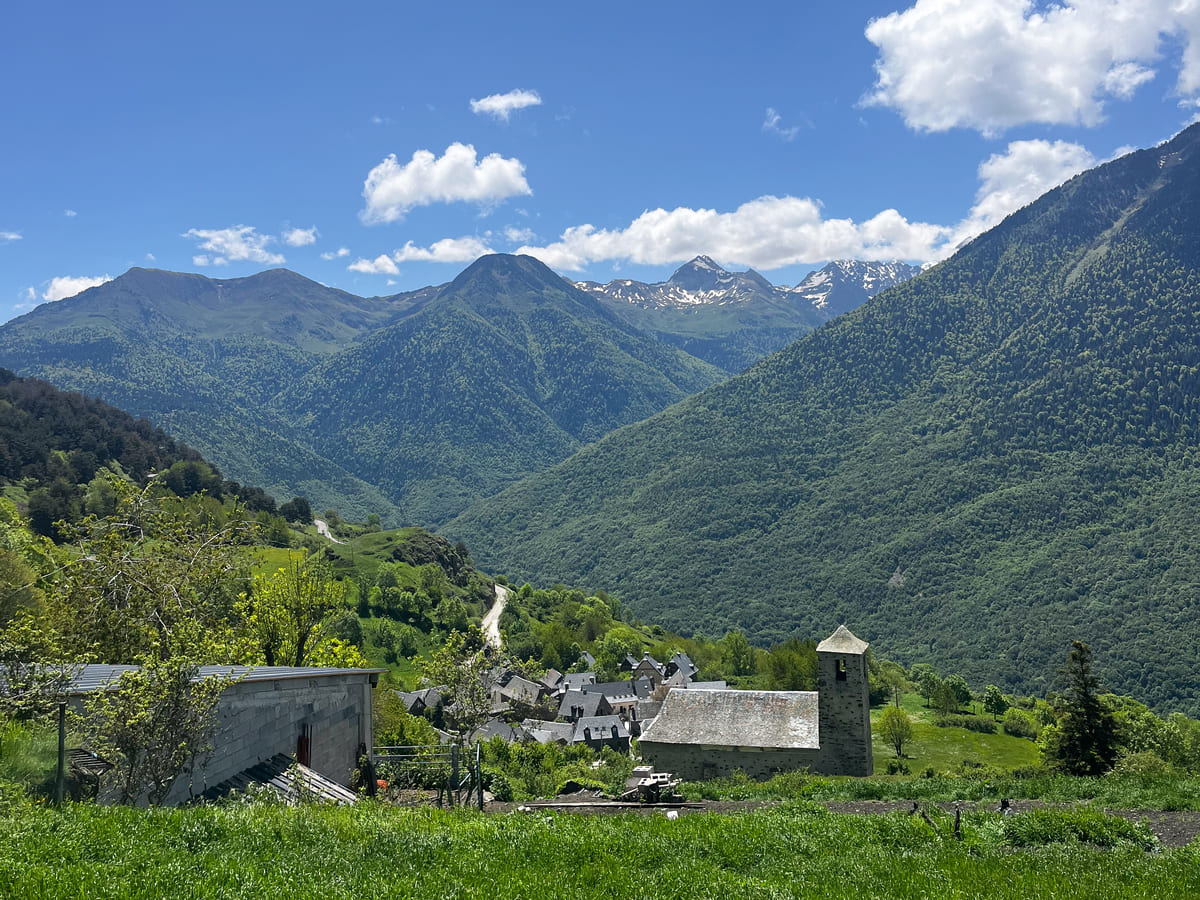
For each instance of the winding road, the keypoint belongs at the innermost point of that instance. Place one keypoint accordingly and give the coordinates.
(491, 622)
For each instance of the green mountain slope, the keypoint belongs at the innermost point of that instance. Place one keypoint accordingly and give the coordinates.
(506, 372)
(410, 406)
(973, 469)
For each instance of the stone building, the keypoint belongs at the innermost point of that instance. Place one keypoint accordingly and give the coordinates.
(708, 734)
(319, 716)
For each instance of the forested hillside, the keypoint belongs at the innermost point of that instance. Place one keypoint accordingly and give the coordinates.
(508, 371)
(978, 464)
(409, 407)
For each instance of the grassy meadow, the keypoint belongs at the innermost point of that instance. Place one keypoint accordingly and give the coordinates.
(795, 850)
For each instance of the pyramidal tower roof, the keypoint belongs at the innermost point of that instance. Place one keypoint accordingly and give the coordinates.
(842, 641)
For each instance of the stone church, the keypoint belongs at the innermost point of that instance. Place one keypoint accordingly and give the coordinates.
(709, 734)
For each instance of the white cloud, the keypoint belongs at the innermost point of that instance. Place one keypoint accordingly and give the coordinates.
(6, 236)
(300, 237)
(771, 125)
(772, 232)
(380, 265)
(340, 252)
(1017, 177)
(501, 106)
(150, 257)
(518, 235)
(391, 189)
(70, 213)
(994, 64)
(29, 294)
(766, 233)
(447, 250)
(67, 286)
(236, 243)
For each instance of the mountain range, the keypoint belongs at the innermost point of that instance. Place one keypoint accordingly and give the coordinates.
(974, 468)
(412, 406)
(734, 319)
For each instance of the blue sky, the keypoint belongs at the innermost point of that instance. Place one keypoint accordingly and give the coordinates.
(380, 147)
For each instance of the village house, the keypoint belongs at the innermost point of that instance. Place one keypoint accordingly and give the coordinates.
(702, 734)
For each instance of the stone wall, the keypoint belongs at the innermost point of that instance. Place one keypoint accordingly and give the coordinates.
(845, 714)
(693, 762)
(260, 718)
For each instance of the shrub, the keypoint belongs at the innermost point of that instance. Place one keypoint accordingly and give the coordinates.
(1019, 723)
(499, 786)
(898, 767)
(971, 723)
(1144, 763)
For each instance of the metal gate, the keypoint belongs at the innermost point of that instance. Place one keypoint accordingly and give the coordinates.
(431, 773)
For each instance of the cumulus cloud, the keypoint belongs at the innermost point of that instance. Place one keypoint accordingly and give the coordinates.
(771, 125)
(9, 236)
(380, 265)
(336, 254)
(501, 106)
(1017, 177)
(773, 232)
(70, 213)
(236, 243)
(300, 237)
(68, 286)
(391, 189)
(515, 235)
(767, 233)
(447, 250)
(994, 64)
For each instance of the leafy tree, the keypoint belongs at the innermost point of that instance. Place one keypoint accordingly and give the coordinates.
(792, 666)
(1085, 742)
(959, 691)
(895, 727)
(149, 581)
(463, 670)
(737, 654)
(293, 617)
(929, 684)
(892, 675)
(158, 721)
(297, 510)
(994, 702)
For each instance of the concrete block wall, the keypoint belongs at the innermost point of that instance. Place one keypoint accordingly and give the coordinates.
(262, 718)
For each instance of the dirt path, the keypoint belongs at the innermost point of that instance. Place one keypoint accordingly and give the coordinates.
(491, 622)
(323, 531)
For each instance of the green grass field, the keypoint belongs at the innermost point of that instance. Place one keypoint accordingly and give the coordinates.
(943, 749)
(798, 850)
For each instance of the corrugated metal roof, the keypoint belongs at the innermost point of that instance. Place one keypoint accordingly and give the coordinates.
(95, 676)
(775, 719)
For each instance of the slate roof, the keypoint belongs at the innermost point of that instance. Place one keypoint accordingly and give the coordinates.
(842, 641)
(681, 662)
(573, 681)
(592, 703)
(522, 690)
(707, 686)
(599, 728)
(96, 676)
(498, 728)
(768, 719)
(548, 732)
